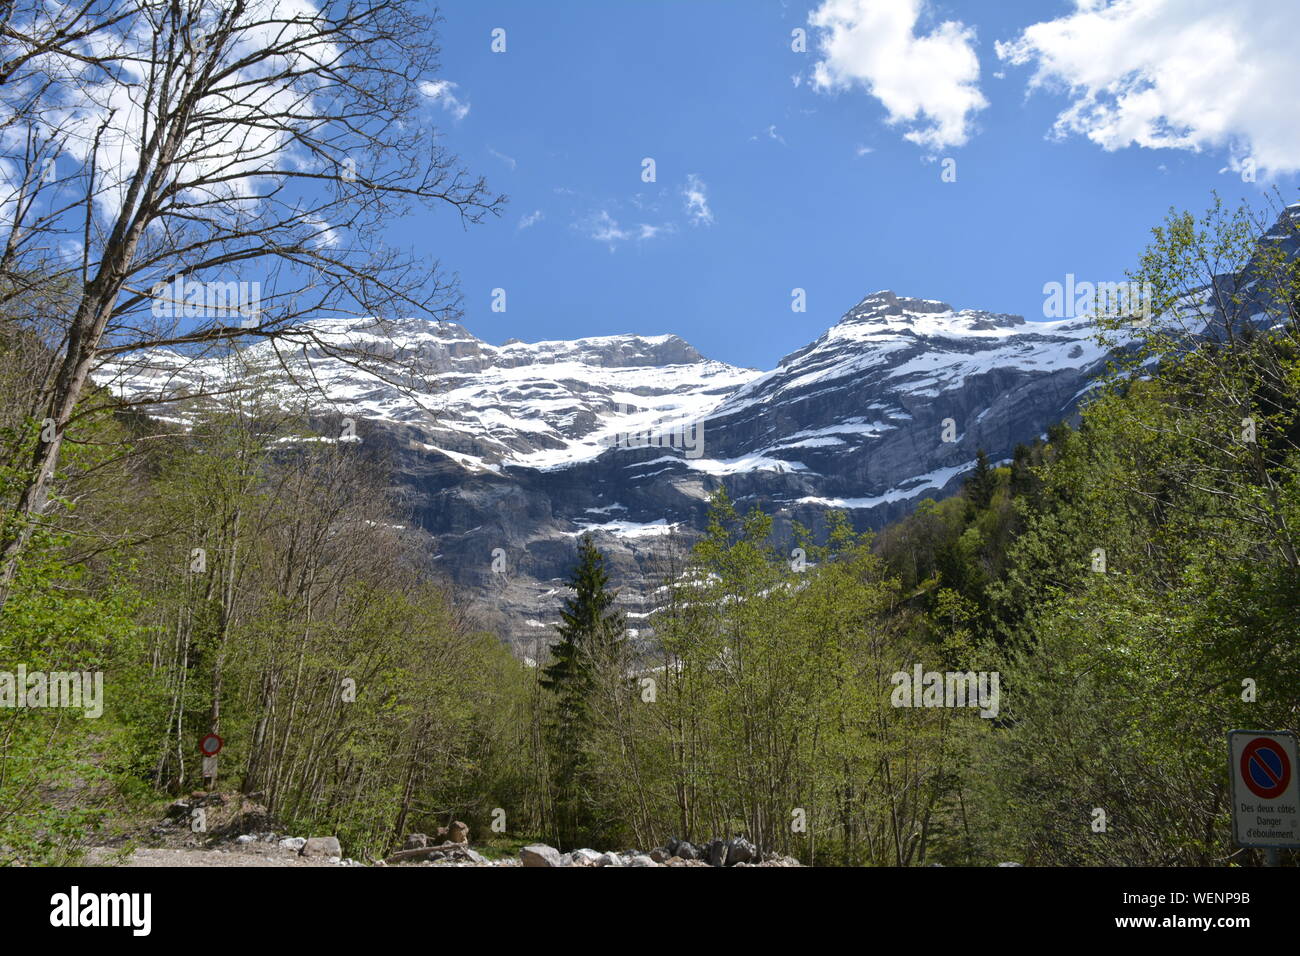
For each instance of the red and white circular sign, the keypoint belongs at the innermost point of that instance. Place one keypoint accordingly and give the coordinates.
(1265, 768)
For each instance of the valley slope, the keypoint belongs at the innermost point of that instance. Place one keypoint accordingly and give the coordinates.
(504, 455)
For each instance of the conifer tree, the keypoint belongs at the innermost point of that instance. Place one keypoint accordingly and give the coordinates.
(586, 657)
(982, 482)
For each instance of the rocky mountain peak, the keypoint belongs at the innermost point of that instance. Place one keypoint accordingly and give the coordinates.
(886, 309)
(886, 303)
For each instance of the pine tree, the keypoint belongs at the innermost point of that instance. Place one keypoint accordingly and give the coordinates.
(1022, 477)
(982, 482)
(587, 655)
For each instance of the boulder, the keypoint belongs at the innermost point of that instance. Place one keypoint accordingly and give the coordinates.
(415, 841)
(659, 854)
(642, 860)
(609, 859)
(717, 853)
(585, 858)
(321, 846)
(458, 832)
(740, 850)
(539, 854)
(292, 843)
(685, 851)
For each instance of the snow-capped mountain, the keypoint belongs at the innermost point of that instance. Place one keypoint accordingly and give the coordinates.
(859, 415)
(540, 405)
(505, 454)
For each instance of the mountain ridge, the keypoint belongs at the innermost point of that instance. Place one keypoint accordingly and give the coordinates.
(505, 454)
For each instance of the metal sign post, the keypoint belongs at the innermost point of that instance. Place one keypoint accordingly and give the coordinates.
(210, 746)
(1265, 777)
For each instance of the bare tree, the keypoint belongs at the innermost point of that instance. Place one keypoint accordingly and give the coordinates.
(191, 174)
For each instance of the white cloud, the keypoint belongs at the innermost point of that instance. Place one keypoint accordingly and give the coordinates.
(101, 116)
(697, 201)
(508, 160)
(323, 233)
(928, 82)
(771, 133)
(442, 92)
(1181, 74)
(605, 228)
(530, 220)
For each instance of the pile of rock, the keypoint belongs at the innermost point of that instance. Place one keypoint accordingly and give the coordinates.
(456, 833)
(731, 852)
(734, 852)
(438, 853)
(449, 845)
(539, 854)
(327, 847)
(216, 817)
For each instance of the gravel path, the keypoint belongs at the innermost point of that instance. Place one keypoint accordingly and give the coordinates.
(252, 855)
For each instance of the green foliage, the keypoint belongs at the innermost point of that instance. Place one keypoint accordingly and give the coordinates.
(1127, 673)
(765, 705)
(353, 696)
(52, 772)
(1134, 579)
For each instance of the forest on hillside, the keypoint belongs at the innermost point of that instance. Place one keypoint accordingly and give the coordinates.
(1132, 580)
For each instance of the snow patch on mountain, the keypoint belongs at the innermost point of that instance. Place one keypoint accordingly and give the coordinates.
(523, 447)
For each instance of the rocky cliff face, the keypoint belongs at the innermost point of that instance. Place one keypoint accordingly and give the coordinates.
(504, 455)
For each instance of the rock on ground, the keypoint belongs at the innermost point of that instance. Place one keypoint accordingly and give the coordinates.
(539, 854)
(740, 850)
(321, 846)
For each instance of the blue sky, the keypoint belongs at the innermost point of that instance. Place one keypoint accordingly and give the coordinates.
(816, 185)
